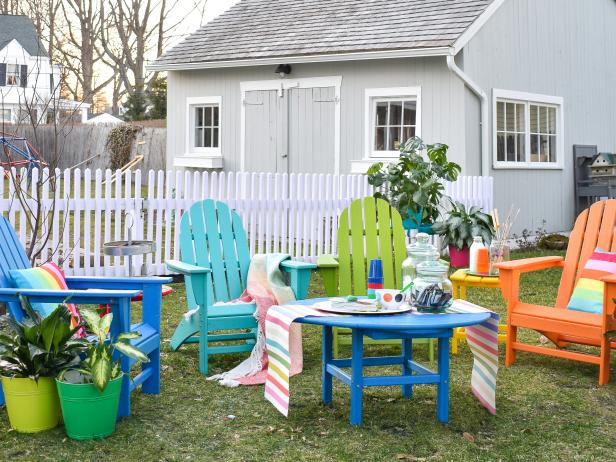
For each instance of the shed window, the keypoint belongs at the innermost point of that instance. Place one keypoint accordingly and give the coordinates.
(528, 132)
(5, 115)
(204, 125)
(394, 120)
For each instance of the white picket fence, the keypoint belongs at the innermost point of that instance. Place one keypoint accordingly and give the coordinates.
(295, 213)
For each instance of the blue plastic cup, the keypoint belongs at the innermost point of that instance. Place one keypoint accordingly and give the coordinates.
(375, 270)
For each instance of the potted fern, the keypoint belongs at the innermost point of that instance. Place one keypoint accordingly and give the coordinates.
(32, 354)
(414, 184)
(458, 229)
(90, 391)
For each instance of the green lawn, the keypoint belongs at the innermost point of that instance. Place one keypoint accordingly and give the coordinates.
(548, 409)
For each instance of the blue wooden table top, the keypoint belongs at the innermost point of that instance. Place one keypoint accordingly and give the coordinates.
(395, 322)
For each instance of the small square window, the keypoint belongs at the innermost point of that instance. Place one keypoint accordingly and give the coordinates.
(205, 121)
(394, 121)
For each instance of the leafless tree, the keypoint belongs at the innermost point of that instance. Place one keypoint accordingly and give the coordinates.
(139, 29)
(81, 50)
(11, 7)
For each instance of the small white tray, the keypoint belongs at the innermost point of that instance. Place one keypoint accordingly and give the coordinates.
(362, 306)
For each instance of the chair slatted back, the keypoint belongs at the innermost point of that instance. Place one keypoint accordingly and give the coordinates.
(593, 228)
(12, 256)
(369, 228)
(212, 236)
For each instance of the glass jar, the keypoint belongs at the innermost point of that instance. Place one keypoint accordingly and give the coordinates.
(499, 252)
(421, 250)
(432, 291)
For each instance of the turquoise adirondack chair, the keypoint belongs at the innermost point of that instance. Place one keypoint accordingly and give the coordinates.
(214, 261)
(369, 228)
(115, 292)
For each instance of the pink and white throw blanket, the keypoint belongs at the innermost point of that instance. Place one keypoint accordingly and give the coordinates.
(265, 287)
(482, 339)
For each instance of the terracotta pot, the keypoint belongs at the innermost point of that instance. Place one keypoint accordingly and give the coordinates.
(459, 258)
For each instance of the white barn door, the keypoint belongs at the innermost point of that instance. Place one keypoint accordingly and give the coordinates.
(291, 126)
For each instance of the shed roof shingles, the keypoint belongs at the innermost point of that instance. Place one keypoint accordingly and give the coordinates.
(254, 29)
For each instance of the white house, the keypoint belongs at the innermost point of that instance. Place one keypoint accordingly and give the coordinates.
(335, 85)
(28, 79)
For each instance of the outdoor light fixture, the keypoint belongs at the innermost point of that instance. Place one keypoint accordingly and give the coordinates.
(282, 70)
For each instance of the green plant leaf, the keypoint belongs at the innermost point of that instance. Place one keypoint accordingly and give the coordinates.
(128, 336)
(101, 371)
(131, 352)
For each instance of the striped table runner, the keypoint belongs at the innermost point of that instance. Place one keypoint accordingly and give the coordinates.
(277, 324)
(482, 339)
(483, 342)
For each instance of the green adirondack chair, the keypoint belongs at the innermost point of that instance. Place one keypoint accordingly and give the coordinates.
(375, 229)
(214, 262)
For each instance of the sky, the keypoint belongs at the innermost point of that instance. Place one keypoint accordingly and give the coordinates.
(213, 8)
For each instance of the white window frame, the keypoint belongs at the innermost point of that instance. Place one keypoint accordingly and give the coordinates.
(17, 74)
(8, 112)
(529, 99)
(191, 104)
(374, 95)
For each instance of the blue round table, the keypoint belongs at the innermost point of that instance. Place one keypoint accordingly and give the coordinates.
(401, 326)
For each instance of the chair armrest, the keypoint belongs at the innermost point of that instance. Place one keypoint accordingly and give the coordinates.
(186, 268)
(609, 303)
(510, 271)
(328, 268)
(287, 265)
(299, 274)
(531, 264)
(114, 283)
(327, 261)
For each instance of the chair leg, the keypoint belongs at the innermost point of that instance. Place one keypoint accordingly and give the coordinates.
(203, 342)
(152, 384)
(604, 365)
(509, 350)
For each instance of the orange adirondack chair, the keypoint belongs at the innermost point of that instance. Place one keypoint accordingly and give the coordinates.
(594, 227)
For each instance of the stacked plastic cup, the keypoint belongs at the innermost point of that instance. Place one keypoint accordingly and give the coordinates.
(375, 277)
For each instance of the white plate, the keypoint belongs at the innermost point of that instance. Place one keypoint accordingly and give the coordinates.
(363, 306)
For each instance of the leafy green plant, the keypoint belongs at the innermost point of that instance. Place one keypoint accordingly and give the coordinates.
(98, 367)
(39, 347)
(461, 225)
(413, 184)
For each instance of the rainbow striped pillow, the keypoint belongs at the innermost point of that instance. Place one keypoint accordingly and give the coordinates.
(588, 293)
(48, 276)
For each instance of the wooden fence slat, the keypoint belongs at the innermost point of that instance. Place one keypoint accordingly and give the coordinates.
(291, 213)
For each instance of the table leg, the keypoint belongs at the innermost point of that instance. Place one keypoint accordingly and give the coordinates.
(407, 356)
(326, 378)
(357, 375)
(442, 399)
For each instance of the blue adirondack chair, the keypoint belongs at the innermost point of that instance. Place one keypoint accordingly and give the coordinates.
(115, 292)
(214, 261)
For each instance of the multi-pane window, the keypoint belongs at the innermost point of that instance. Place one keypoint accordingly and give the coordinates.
(528, 133)
(13, 75)
(543, 136)
(5, 115)
(394, 122)
(206, 125)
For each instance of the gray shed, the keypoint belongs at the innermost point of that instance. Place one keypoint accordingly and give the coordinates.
(333, 86)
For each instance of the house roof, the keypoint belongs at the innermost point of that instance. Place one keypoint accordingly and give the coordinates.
(259, 30)
(20, 28)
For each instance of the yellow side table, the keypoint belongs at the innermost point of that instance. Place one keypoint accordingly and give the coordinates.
(460, 281)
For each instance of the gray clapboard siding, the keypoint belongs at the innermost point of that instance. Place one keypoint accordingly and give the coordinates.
(562, 48)
(442, 106)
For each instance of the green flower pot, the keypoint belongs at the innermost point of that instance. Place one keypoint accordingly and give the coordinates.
(88, 413)
(32, 406)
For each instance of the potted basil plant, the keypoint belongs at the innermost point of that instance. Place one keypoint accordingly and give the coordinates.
(90, 391)
(32, 354)
(459, 228)
(414, 183)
